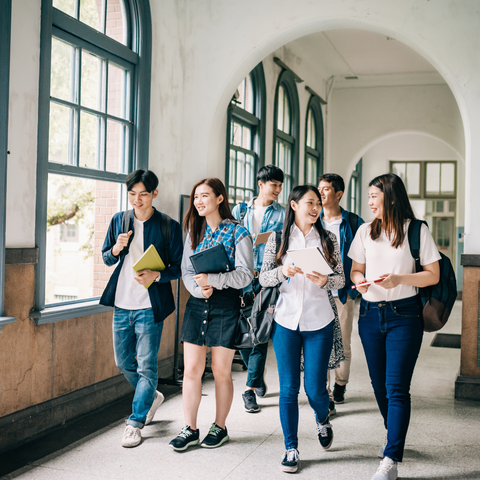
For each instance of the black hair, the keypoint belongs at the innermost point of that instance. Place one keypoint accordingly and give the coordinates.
(296, 195)
(336, 180)
(147, 177)
(270, 173)
(396, 208)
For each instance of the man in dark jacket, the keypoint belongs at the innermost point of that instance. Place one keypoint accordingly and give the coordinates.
(142, 299)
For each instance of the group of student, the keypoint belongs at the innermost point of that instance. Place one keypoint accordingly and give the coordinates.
(314, 312)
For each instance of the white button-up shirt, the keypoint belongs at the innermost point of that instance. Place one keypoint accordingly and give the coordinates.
(302, 303)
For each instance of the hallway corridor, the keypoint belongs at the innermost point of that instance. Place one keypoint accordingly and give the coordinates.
(442, 443)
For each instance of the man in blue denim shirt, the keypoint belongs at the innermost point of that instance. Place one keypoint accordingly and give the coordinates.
(260, 215)
(140, 311)
(344, 225)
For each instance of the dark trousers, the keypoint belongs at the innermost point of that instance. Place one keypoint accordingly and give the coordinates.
(391, 334)
(255, 359)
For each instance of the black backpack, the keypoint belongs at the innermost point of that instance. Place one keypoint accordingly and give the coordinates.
(353, 219)
(166, 228)
(437, 300)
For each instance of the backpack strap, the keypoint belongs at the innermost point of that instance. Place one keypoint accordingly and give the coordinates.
(414, 241)
(126, 228)
(166, 228)
(243, 211)
(353, 220)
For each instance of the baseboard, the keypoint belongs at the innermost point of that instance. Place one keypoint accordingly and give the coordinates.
(34, 422)
(467, 388)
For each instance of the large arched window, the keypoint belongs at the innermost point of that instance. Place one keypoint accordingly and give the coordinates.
(313, 142)
(246, 137)
(286, 131)
(93, 131)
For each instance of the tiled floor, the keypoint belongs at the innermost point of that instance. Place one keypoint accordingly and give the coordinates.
(443, 440)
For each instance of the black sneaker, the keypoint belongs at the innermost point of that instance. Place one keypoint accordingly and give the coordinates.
(331, 409)
(216, 436)
(339, 393)
(186, 438)
(325, 434)
(250, 401)
(290, 461)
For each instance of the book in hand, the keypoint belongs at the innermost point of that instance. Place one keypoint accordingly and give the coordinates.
(310, 260)
(261, 238)
(211, 260)
(150, 260)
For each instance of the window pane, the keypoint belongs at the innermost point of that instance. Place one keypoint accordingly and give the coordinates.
(280, 112)
(91, 86)
(89, 140)
(240, 169)
(66, 6)
(116, 21)
(249, 95)
(63, 65)
(78, 215)
(117, 80)
(451, 206)
(311, 130)
(250, 172)
(413, 179)
(448, 178)
(312, 173)
(236, 134)
(117, 147)
(440, 206)
(232, 168)
(246, 137)
(400, 170)
(60, 134)
(286, 116)
(433, 178)
(91, 13)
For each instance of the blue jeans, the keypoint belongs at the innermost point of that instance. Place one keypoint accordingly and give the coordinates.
(136, 341)
(391, 334)
(317, 347)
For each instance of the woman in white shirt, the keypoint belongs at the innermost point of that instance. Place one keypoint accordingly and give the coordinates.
(305, 317)
(390, 323)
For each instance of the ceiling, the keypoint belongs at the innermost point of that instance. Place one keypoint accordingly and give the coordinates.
(372, 57)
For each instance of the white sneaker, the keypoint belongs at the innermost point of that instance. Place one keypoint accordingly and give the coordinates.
(383, 447)
(131, 436)
(387, 470)
(158, 400)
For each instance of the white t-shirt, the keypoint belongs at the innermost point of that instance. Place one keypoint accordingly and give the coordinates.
(258, 213)
(130, 295)
(301, 302)
(381, 258)
(334, 227)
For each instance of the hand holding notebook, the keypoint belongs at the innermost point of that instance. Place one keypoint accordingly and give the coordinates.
(310, 260)
(150, 260)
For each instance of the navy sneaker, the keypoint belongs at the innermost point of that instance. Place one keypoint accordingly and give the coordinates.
(186, 438)
(339, 393)
(250, 401)
(325, 434)
(331, 409)
(290, 461)
(216, 436)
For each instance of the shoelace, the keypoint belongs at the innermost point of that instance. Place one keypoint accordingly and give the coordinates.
(185, 433)
(384, 468)
(322, 429)
(292, 455)
(130, 432)
(214, 430)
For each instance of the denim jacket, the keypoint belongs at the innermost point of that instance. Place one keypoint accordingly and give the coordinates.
(346, 239)
(271, 222)
(160, 293)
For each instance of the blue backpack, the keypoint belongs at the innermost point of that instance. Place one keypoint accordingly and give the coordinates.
(437, 300)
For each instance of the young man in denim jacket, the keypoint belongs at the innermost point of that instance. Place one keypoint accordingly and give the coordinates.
(261, 214)
(344, 225)
(139, 311)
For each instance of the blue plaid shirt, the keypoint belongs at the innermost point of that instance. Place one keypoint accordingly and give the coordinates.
(228, 233)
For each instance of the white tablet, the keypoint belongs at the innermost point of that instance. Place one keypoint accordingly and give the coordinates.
(309, 260)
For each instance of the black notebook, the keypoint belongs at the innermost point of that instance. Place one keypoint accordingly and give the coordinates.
(211, 260)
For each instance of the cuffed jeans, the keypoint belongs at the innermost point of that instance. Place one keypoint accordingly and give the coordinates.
(136, 341)
(391, 334)
(317, 347)
(255, 359)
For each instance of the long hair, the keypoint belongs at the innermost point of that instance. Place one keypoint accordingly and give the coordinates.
(396, 209)
(296, 195)
(193, 223)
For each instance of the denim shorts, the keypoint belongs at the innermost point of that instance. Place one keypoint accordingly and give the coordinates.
(212, 321)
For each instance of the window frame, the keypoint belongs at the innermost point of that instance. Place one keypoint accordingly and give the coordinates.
(5, 40)
(287, 81)
(315, 106)
(256, 121)
(139, 54)
(357, 175)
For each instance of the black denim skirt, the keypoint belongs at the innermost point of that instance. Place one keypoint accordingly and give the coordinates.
(212, 321)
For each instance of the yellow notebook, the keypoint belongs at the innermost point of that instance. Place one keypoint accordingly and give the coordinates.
(149, 260)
